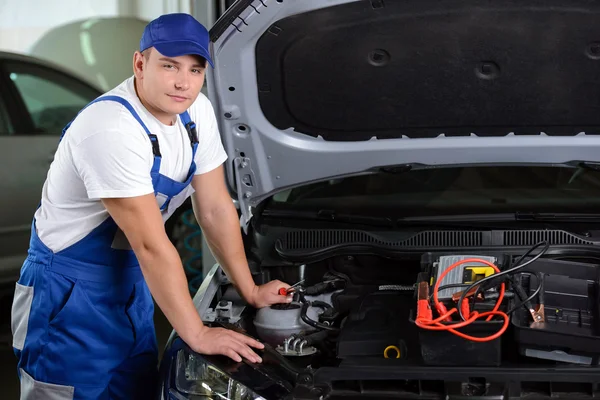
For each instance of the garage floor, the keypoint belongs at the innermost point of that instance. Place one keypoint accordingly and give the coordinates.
(9, 382)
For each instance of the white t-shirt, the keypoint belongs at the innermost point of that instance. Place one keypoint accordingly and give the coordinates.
(106, 153)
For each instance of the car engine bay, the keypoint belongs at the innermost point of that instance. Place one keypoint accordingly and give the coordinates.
(345, 308)
(526, 310)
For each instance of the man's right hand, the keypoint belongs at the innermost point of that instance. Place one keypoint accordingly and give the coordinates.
(226, 342)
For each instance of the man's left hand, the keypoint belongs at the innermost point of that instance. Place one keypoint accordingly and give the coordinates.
(268, 294)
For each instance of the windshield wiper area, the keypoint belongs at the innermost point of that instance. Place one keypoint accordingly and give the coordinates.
(456, 221)
(464, 221)
(333, 216)
(330, 215)
(503, 217)
(500, 221)
(557, 217)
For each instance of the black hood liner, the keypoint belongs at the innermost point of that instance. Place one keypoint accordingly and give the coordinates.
(389, 68)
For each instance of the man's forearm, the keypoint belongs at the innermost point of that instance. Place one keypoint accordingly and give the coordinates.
(221, 228)
(164, 275)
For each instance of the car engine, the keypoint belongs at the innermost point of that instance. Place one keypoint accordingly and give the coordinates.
(362, 320)
(344, 308)
(510, 322)
(366, 306)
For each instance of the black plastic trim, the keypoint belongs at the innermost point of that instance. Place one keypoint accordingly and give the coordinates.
(509, 381)
(316, 256)
(385, 369)
(15, 107)
(311, 241)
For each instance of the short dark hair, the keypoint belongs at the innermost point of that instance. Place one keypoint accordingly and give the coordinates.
(201, 59)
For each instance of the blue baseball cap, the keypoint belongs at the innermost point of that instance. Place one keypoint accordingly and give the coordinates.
(175, 35)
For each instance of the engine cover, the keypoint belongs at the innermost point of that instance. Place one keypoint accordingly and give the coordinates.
(379, 321)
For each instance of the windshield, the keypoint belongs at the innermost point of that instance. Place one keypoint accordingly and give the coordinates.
(458, 190)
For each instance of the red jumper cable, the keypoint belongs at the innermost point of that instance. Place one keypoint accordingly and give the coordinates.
(425, 319)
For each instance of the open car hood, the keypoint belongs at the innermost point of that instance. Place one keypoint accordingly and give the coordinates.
(306, 90)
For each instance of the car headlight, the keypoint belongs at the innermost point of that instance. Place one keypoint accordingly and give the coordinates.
(200, 380)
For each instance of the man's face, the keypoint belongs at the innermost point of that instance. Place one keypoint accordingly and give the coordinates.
(172, 84)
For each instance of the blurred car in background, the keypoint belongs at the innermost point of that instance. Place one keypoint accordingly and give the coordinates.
(37, 99)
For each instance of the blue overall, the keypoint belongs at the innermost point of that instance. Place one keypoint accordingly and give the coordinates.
(82, 317)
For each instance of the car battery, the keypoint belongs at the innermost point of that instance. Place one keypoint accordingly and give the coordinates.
(443, 347)
(463, 275)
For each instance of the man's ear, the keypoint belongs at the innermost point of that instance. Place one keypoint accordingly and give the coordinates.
(139, 63)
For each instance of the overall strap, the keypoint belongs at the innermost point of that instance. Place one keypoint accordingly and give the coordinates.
(129, 107)
(190, 127)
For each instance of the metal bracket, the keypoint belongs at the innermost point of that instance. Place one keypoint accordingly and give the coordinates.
(244, 183)
(226, 310)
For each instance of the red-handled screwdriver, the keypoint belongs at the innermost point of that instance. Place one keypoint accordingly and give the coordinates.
(285, 292)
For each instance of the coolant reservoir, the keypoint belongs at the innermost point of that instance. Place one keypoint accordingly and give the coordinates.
(276, 323)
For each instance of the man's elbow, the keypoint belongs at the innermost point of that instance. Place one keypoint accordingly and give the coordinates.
(217, 214)
(150, 247)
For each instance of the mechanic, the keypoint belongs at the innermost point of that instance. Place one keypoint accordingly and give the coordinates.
(82, 315)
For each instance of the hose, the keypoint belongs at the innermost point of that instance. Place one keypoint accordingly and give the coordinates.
(324, 287)
(316, 337)
(309, 321)
(194, 274)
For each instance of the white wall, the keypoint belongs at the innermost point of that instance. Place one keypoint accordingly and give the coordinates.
(95, 39)
(22, 22)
